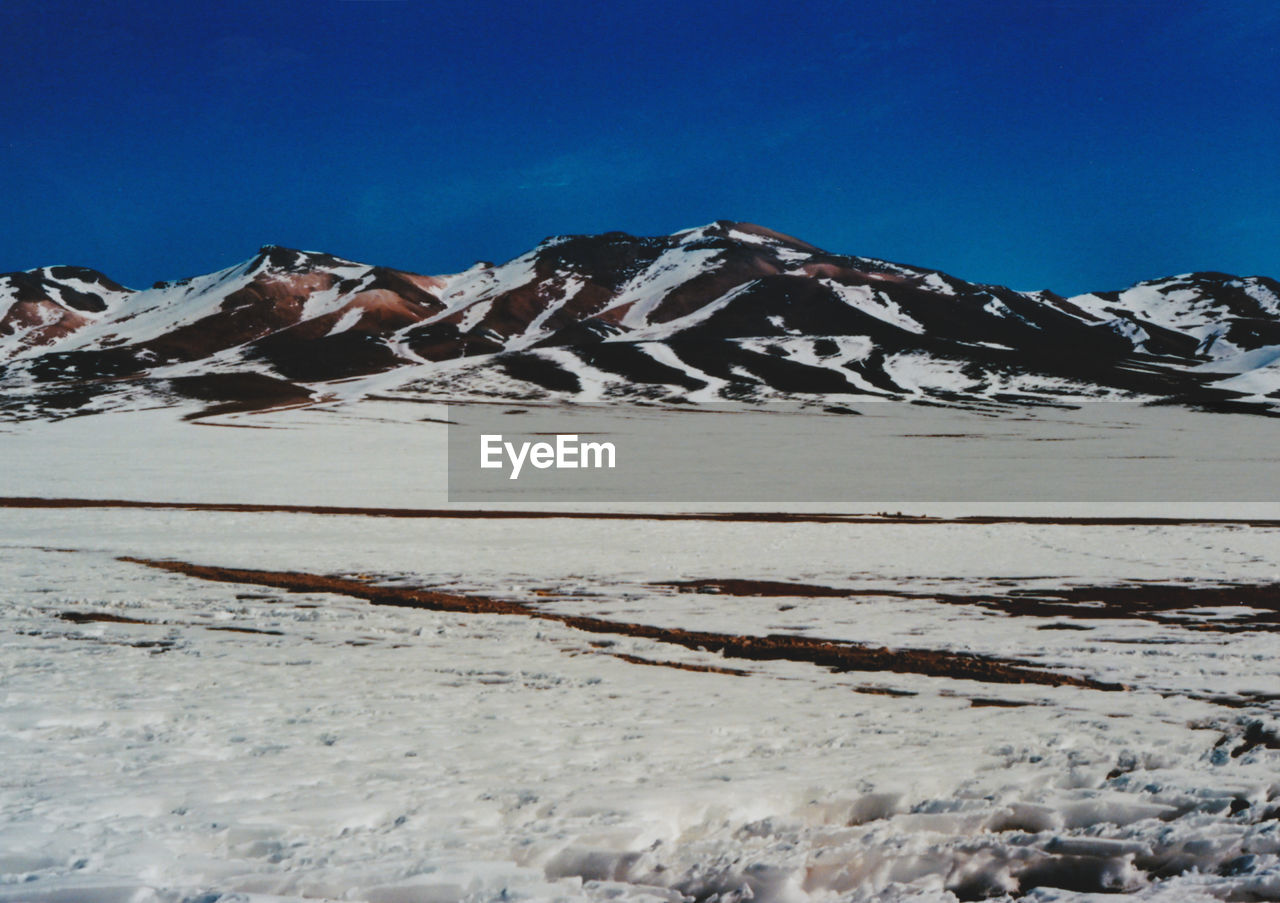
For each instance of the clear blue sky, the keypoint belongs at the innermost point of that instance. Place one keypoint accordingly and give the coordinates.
(1067, 145)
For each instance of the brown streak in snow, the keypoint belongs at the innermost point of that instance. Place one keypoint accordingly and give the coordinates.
(754, 517)
(1163, 603)
(682, 666)
(838, 656)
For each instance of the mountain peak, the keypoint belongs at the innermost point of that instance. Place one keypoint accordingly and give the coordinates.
(743, 232)
(279, 258)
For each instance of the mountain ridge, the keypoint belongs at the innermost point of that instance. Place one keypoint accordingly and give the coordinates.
(727, 310)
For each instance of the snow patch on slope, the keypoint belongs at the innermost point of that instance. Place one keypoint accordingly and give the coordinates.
(753, 238)
(663, 354)
(647, 289)
(8, 296)
(481, 283)
(537, 327)
(661, 331)
(1257, 373)
(877, 304)
(346, 321)
(155, 312)
(935, 282)
(16, 342)
(321, 303)
(1267, 299)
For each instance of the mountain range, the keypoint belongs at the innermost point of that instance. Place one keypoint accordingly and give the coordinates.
(726, 311)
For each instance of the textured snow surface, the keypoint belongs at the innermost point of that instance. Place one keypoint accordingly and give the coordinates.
(234, 741)
(351, 752)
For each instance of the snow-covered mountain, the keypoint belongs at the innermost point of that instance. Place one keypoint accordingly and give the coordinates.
(728, 310)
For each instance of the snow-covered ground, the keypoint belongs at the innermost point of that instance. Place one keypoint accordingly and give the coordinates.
(164, 737)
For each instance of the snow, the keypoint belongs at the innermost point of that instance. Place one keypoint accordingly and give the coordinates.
(568, 289)
(346, 321)
(1182, 309)
(370, 753)
(996, 307)
(1258, 373)
(1267, 299)
(595, 383)
(112, 299)
(696, 234)
(751, 238)
(877, 304)
(800, 349)
(1130, 330)
(479, 285)
(923, 373)
(779, 250)
(487, 281)
(152, 313)
(320, 303)
(1185, 310)
(13, 344)
(648, 288)
(791, 255)
(1170, 309)
(874, 263)
(145, 315)
(1245, 361)
(474, 314)
(8, 295)
(660, 331)
(664, 355)
(935, 282)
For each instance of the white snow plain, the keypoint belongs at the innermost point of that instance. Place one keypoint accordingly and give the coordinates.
(235, 742)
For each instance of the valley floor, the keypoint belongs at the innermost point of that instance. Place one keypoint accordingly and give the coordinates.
(276, 705)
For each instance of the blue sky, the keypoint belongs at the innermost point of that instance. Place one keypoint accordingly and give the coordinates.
(1064, 145)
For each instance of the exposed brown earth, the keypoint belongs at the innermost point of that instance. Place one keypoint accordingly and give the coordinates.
(681, 666)
(1256, 735)
(733, 587)
(238, 392)
(884, 691)
(838, 656)
(380, 310)
(256, 310)
(90, 617)
(247, 630)
(982, 702)
(46, 320)
(86, 617)
(1160, 602)
(755, 517)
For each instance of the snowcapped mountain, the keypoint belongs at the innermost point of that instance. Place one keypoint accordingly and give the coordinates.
(725, 311)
